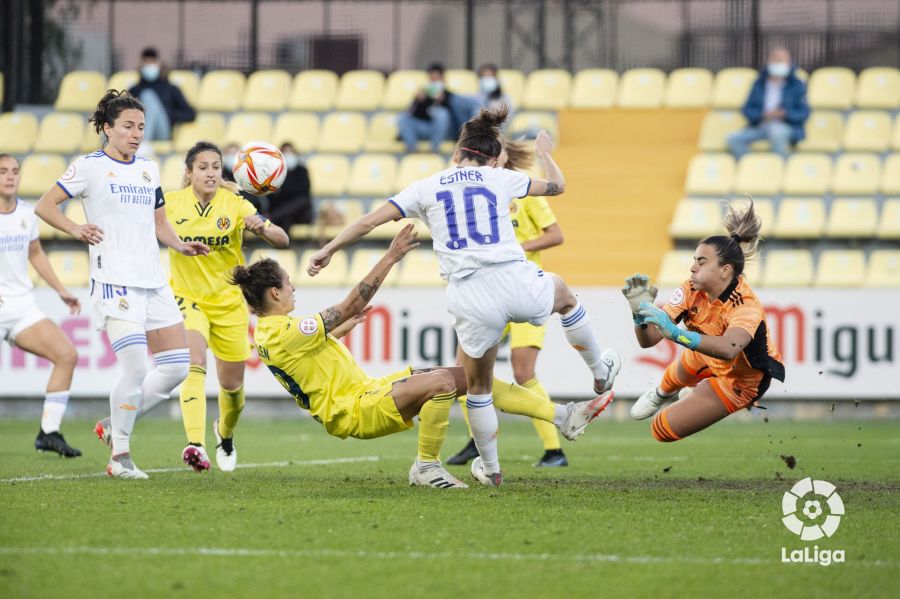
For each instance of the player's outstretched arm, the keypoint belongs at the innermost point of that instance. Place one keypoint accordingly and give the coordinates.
(41, 264)
(167, 235)
(725, 347)
(267, 230)
(638, 290)
(555, 183)
(359, 228)
(48, 210)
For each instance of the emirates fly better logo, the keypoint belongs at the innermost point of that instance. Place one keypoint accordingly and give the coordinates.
(812, 509)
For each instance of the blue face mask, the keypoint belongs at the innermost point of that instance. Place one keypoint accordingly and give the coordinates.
(150, 72)
(489, 85)
(778, 69)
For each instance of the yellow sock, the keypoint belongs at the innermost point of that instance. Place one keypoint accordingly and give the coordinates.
(193, 404)
(434, 419)
(231, 404)
(546, 430)
(465, 412)
(515, 399)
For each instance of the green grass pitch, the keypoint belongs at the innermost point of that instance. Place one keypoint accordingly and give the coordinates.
(321, 517)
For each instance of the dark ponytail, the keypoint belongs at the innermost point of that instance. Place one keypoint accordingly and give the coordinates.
(742, 242)
(255, 280)
(480, 137)
(111, 106)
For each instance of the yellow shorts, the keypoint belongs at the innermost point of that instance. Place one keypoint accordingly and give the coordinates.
(224, 329)
(524, 334)
(375, 414)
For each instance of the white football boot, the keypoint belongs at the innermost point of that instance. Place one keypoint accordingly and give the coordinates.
(226, 452)
(649, 404)
(582, 414)
(488, 480)
(121, 466)
(433, 474)
(195, 456)
(612, 360)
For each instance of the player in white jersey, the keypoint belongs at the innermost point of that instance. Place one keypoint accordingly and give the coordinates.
(21, 322)
(490, 283)
(132, 302)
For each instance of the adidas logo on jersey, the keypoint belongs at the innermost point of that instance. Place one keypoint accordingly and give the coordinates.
(110, 175)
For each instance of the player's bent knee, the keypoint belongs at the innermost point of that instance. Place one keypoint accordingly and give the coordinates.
(444, 382)
(661, 430)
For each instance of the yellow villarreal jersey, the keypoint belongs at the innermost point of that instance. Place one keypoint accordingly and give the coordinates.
(314, 367)
(530, 216)
(220, 225)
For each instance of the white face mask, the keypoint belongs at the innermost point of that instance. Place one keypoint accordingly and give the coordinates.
(778, 69)
(434, 89)
(150, 71)
(228, 160)
(291, 161)
(489, 85)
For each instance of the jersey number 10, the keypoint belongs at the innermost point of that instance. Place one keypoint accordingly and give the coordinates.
(469, 194)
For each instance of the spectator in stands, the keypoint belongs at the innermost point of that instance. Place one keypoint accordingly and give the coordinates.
(291, 205)
(229, 154)
(776, 108)
(491, 95)
(429, 116)
(164, 104)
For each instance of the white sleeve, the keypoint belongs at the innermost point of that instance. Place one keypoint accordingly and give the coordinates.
(35, 231)
(517, 183)
(76, 178)
(407, 202)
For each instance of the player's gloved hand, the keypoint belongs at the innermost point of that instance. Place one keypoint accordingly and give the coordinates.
(638, 290)
(656, 316)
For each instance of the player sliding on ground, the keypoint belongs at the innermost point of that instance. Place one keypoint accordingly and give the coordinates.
(490, 283)
(305, 356)
(730, 358)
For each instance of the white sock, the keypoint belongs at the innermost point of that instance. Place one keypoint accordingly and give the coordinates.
(171, 369)
(580, 335)
(484, 424)
(125, 398)
(55, 403)
(560, 412)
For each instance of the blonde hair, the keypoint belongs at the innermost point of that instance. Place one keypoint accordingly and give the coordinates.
(519, 156)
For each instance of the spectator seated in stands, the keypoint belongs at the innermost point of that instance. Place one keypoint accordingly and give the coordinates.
(776, 108)
(436, 114)
(491, 94)
(291, 205)
(164, 104)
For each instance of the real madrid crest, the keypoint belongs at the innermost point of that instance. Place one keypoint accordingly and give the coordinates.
(123, 304)
(146, 176)
(24, 225)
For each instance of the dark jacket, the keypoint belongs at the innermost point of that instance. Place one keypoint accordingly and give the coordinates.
(419, 107)
(292, 205)
(177, 108)
(793, 102)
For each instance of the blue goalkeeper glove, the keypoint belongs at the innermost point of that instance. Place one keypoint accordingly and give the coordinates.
(653, 315)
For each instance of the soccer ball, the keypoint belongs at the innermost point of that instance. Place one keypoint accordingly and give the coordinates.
(259, 168)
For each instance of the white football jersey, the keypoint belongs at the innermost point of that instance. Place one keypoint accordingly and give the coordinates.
(17, 230)
(121, 198)
(467, 210)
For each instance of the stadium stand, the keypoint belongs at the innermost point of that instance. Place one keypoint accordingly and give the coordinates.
(547, 89)
(267, 91)
(594, 88)
(301, 129)
(401, 88)
(18, 131)
(221, 91)
(641, 88)
(688, 88)
(80, 91)
(732, 86)
(360, 90)
(314, 90)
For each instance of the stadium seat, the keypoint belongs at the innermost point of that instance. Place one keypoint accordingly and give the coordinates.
(45, 231)
(90, 140)
(832, 87)
(80, 91)
(852, 218)
(189, 84)
(208, 126)
(841, 268)
(249, 126)
(856, 174)
(342, 132)
(753, 270)
(420, 269)
(529, 123)
(688, 88)
(123, 80)
(889, 223)
(732, 86)
(334, 275)
(417, 166)
(373, 175)
(18, 132)
(787, 268)
(401, 87)
(286, 258)
(884, 269)
(382, 133)
(512, 82)
(74, 211)
(759, 173)
(172, 173)
(39, 173)
(800, 218)
(710, 174)
(895, 136)
(314, 90)
(363, 261)
(60, 132)
(301, 129)
(221, 91)
(461, 81)
(267, 91)
(867, 131)
(675, 268)
(696, 219)
(824, 132)
(716, 128)
(890, 175)
(360, 90)
(72, 267)
(328, 174)
(764, 209)
(878, 87)
(547, 89)
(641, 88)
(595, 88)
(807, 174)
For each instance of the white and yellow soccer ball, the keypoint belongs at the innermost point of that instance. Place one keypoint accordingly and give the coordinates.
(259, 168)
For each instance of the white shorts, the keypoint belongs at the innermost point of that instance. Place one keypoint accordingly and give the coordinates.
(150, 308)
(17, 313)
(486, 301)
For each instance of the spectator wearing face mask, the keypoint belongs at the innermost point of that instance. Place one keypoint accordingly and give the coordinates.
(776, 108)
(490, 93)
(164, 104)
(292, 204)
(429, 116)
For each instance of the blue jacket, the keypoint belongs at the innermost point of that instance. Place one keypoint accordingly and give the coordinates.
(177, 107)
(793, 101)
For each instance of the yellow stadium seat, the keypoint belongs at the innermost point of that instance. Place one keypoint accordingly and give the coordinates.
(595, 88)
(382, 133)
(759, 173)
(895, 136)
(72, 267)
(314, 90)
(171, 174)
(221, 91)
(45, 231)
(74, 211)
(832, 87)
(732, 86)
(334, 275)
(267, 91)
(529, 123)
(363, 261)
(286, 258)
(800, 218)
(417, 166)
(841, 268)
(890, 175)
(788, 268)
(856, 174)
(512, 82)
(60, 132)
(342, 132)
(753, 270)
(80, 91)
(249, 126)
(401, 87)
(39, 173)
(461, 81)
(889, 224)
(420, 268)
(18, 132)
(675, 268)
(547, 89)
(696, 219)
(716, 128)
(867, 131)
(299, 128)
(710, 174)
(688, 88)
(807, 174)
(764, 209)
(208, 126)
(824, 132)
(189, 84)
(855, 218)
(90, 141)
(641, 88)
(123, 80)
(878, 87)
(360, 90)
(884, 269)
(373, 175)
(328, 174)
